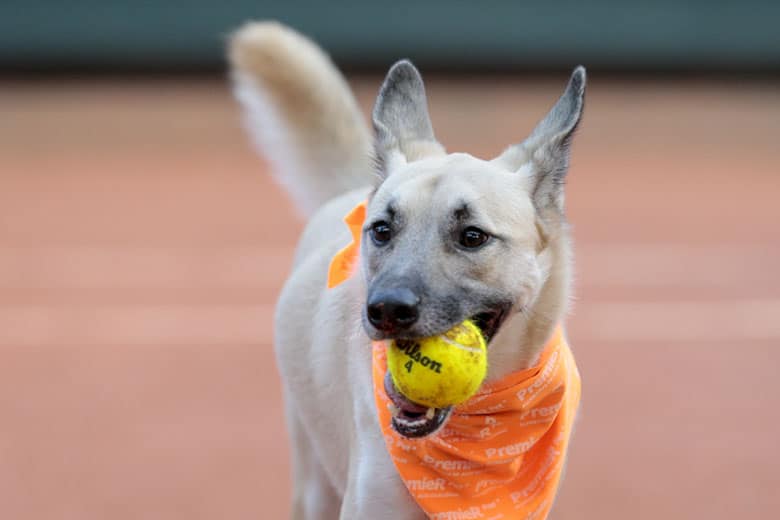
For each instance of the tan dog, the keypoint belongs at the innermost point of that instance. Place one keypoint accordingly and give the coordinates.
(447, 237)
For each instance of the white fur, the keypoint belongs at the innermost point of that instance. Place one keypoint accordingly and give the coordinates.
(300, 113)
(303, 117)
(271, 137)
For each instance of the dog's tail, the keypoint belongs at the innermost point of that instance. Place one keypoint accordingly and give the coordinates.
(300, 112)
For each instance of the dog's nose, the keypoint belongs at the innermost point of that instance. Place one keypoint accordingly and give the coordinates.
(393, 310)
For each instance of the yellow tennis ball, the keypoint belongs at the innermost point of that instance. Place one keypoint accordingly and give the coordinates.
(442, 370)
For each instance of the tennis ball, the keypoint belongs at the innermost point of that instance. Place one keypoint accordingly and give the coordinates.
(442, 370)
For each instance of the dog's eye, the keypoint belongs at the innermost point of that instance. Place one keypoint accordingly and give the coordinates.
(472, 237)
(380, 233)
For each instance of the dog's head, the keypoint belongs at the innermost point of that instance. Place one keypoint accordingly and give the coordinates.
(450, 236)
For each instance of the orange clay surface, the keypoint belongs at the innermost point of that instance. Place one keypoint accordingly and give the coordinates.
(142, 245)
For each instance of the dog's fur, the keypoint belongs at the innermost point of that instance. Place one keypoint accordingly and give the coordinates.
(305, 120)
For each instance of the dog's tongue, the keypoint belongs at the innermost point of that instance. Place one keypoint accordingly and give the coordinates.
(399, 400)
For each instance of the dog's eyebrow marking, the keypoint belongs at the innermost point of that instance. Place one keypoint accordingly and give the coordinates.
(462, 211)
(392, 209)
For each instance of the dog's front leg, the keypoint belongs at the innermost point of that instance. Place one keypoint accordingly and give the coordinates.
(314, 497)
(374, 489)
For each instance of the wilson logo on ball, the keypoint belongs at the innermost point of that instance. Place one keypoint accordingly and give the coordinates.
(412, 350)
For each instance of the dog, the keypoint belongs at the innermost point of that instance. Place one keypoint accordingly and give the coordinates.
(445, 237)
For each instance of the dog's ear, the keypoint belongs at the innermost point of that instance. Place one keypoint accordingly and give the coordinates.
(547, 148)
(401, 123)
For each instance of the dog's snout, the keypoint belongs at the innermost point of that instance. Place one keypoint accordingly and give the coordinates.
(393, 310)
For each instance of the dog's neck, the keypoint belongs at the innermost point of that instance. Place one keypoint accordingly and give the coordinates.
(523, 336)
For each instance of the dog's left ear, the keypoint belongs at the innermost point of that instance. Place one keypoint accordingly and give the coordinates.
(547, 148)
(403, 128)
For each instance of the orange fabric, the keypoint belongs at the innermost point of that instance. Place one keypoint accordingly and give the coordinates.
(342, 264)
(500, 455)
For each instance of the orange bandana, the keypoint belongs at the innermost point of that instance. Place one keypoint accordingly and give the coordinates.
(500, 455)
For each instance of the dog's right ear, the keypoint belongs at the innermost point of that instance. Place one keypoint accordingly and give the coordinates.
(401, 123)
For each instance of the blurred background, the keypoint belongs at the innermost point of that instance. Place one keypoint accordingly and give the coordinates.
(142, 244)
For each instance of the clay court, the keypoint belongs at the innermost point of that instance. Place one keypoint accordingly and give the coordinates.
(142, 245)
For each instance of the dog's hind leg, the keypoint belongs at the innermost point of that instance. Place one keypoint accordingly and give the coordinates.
(314, 497)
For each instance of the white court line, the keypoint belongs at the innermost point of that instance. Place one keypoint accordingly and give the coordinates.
(714, 321)
(160, 325)
(118, 267)
(677, 265)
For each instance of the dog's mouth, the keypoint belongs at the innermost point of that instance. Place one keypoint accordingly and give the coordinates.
(411, 419)
(414, 420)
(489, 322)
